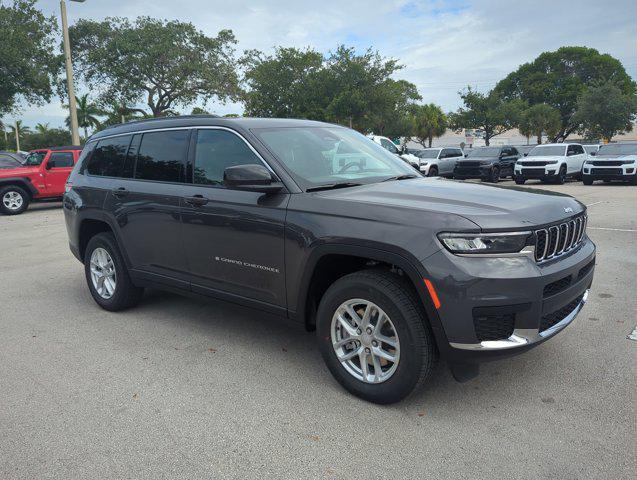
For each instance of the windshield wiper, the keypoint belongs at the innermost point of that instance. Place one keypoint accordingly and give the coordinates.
(332, 186)
(401, 177)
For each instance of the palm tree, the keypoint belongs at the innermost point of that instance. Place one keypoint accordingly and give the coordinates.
(429, 122)
(87, 113)
(42, 128)
(18, 131)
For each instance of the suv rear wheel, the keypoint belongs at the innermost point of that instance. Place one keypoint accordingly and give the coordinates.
(374, 336)
(107, 276)
(13, 200)
(433, 171)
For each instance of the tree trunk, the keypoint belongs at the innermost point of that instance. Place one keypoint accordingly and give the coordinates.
(430, 140)
(486, 140)
(350, 121)
(539, 138)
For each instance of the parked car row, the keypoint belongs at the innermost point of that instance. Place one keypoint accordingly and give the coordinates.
(553, 163)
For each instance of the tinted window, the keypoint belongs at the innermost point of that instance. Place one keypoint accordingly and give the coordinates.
(108, 158)
(388, 145)
(427, 153)
(485, 152)
(618, 149)
(161, 156)
(457, 152)
(549, 150)
(217, 150)
(60, 160)
(578, 149)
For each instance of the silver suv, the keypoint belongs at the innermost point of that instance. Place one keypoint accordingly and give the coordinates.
(439, 161)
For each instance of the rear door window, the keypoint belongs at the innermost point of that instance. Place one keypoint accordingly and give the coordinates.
(162, 156)
(109, 156)
(60, 160)
(217, 150)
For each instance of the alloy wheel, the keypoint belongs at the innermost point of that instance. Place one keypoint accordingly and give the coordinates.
(103, 274)
(365, 341)
(12, 200)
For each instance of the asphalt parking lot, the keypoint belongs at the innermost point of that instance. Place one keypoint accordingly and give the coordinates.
(183, 388)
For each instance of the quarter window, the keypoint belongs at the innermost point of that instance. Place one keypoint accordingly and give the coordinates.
(161, 156)
(109, 156)
(217, 150)
(60, 160)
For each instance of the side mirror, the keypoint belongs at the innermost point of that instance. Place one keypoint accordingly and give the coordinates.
(466, 155)
(50, 165)
(526, 154)
(255, 178)
(593, 153)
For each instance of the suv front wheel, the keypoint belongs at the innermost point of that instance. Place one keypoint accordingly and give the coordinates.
(107, 276)
(374, 336)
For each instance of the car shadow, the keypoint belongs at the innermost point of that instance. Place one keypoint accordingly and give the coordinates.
(287, 346)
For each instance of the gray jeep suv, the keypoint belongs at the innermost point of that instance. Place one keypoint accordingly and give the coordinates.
(317, 223)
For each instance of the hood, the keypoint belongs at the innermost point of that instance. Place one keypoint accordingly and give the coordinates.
(480, 160)
(614, 157)
(491, 207)
(18, 171)
(542, 158)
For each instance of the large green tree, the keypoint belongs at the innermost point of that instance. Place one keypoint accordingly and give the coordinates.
(162, 64)
(538, 119)
(283, 84)
(489, 112)
(344, 87)
(604, 110)
(429, 121)
(28, 62)
(559, 78)
(51, 137)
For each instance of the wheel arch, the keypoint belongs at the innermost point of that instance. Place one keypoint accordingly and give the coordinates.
(22, 182)
(348, 255)
(91, 225)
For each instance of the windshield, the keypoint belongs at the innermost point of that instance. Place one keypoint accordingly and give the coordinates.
(8, 162)
(34, 159)
(549, 150)
(618, 149)
(427, 153)
(317, 156)
(484, 152)
(591, 148)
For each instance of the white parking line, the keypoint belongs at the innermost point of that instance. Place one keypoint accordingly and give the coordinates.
(612, 229)
(596, 203)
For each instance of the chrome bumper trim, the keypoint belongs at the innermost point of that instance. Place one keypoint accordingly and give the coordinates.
(522, 336)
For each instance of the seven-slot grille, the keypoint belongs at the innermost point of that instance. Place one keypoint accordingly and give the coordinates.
(532, 164)
(558, 239)
(607, 163)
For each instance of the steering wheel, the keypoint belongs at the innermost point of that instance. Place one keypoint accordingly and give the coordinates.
(349, 165)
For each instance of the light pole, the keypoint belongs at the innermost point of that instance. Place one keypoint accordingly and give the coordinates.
(75, 133)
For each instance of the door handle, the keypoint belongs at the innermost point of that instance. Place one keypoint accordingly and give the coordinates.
(196, 200)
(120, 192)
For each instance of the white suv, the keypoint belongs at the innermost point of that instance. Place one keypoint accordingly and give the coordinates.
(615, 161)
(553, 161)
(439, 161)
(390, 146)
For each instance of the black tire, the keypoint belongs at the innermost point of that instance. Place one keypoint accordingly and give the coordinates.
(494, 175)
(560, 178)
(23, 198)
(398, 300)
(587, 180)
(126, 294)
(433, 172)
(519, 180)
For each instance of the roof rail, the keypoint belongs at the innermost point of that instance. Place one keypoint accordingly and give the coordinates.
(156, 119)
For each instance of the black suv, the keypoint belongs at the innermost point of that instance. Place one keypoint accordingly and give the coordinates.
(489, 164)
(317, 223)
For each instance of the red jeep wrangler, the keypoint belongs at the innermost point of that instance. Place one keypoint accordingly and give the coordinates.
(42, 177)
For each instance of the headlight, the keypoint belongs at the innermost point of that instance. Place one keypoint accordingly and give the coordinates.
(551, 161)
(628, 162)
(423, 164)
(588, 162)
(485, 242)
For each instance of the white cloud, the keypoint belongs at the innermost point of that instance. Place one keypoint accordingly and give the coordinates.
(444, 45)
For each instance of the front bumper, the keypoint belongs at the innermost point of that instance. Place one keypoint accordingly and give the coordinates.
(535, 172)
(481, 172)
(625, 172)
(523, 302)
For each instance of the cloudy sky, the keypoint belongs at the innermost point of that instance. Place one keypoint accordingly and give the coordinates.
(443, 45)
